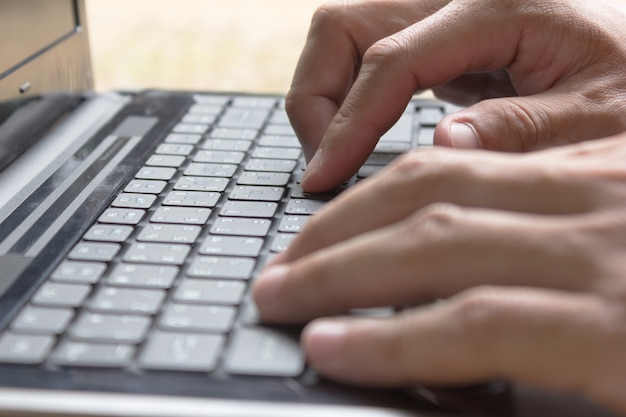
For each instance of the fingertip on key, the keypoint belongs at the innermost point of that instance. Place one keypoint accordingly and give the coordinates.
(266, 292)
(323, 341)
(311, 171)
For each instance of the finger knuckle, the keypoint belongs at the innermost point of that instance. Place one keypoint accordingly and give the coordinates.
(436, 222)
(331, 15)
(531, 124)
(403, 175)
(292, 100)
(423, 170)
(480, 312)
(327, 12)
(386, 52)
(409, 163)
(522, 126)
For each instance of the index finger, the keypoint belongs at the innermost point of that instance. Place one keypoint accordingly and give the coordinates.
(461, 37)
(339, 36)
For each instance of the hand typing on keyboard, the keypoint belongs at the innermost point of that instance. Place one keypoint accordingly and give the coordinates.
(554, 71)
(524, 252)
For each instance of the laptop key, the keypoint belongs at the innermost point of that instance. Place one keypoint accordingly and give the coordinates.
(280, 130)
(156, 173)
(426, 136)
(244, 118)
(264, 351)
(401, 131)
(208, 184)
(263, 152)
(254, 193)
(430, 116)
(231, 245)
(227, 145)
(367, 171)
(219, 157)
(189, 138)
(260, 209)
(192, 128)
(24, 348)
(157, 253)
(233, 133)
(182, 351)
(210, 291)
(241, 227)
(127, 301)
(271, 165)
(94, 251)
(110, 328)
(121, 216)
(279, 117)
(205, 119)
(174, 149)
(192, 199)
(169, 233)
(143, 276)
(134, 201)
(55, 294)
(279, 179)
(383, 159)
(181, 215)
(42, 320)
(145, 186)
(210, 170)
(108, 233)
(93, 354)
(280, 141)
(173, 161)
(292, 224)
(197, 318)
(392, 147)
(254, 102)
(79, 272)
(207, 107)
(302, 206)
(221, 267)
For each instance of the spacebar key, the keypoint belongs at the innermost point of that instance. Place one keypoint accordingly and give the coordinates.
(264, 351)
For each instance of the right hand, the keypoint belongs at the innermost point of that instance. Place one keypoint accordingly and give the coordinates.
(364, 60)
(524, 253)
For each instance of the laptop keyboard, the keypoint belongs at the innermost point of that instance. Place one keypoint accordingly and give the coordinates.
(161, 280)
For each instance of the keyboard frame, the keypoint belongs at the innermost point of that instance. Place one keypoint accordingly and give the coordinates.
(166, 108)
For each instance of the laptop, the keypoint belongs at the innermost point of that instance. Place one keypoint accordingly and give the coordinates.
(131, 225)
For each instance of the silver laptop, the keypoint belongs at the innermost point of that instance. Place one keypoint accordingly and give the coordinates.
(131, 225)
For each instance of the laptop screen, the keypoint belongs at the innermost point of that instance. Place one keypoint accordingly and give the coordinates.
(41, 71)
(46, 22)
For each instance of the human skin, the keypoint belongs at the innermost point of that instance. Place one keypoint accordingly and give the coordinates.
(556, 66)
(524, 252)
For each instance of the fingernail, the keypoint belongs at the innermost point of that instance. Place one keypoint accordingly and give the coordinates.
(323, 341)
(463, 136)
(267, 288)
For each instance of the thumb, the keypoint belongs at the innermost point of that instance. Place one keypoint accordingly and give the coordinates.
(517, 124)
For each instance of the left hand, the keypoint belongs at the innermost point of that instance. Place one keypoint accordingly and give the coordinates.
(552, 69)
(525, 252)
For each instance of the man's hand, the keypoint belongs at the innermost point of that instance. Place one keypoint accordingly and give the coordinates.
(525, 254)
(559, 66)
